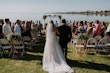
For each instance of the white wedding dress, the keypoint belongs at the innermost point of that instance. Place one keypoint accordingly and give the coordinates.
(53, 58)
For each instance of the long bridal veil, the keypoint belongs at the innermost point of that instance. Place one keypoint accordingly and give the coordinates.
(53, 58)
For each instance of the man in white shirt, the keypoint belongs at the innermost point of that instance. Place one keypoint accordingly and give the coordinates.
(7, 28)
(17, 27)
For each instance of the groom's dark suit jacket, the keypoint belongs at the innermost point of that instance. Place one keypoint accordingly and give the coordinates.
(65, 35)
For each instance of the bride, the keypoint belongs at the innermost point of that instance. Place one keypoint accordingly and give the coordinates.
(53, 58)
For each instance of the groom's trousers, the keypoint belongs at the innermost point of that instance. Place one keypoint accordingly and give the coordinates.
(64, 48)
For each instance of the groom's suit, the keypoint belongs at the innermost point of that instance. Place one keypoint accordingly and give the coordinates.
(64, 37)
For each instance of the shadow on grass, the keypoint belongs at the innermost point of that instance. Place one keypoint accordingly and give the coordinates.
(107, 57)
(29, 57)
(5, 56)
(38, 48)
(88, 65)
(91, 53)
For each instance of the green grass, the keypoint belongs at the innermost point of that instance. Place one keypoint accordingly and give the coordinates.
(32, 61)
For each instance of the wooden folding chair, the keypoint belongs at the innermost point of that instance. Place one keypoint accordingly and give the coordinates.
(18, 48)
(102, 45)
(27, 42)
(80, 47)
(5, 45)
(91, 45)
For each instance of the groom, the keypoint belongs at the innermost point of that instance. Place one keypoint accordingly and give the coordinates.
(65, 36)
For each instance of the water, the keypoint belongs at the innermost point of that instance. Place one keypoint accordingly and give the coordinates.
(39, 16)
(22, 16)
(80, 17)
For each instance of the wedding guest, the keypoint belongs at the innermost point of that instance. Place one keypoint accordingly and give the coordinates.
(74, 30)
(103, 29)
(6, 27)
(40, 27)
(108, 31)
(28, 29)
(85, 26)
(2, 21)
(56, 24)
(89, 30)
(34, 32)
(22, 26)
(80, 28)
(97, 28)
(17, 27)
(45, 26)
(13, 26)
(1, 24)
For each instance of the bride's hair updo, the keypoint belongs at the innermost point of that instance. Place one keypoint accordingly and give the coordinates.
(52, 22)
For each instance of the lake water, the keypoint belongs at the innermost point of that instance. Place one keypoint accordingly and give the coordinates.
(39, 16)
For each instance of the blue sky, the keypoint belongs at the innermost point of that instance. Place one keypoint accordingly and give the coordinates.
(53, 5)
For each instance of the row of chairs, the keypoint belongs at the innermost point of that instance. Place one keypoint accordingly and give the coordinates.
(95, 45)
(15, 46)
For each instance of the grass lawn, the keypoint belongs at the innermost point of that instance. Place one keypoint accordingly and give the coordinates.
(32, 61)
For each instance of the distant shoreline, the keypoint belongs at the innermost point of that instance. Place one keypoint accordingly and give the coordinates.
(106, 13)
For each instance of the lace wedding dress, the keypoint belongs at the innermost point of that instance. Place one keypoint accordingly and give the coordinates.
(53, 58)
